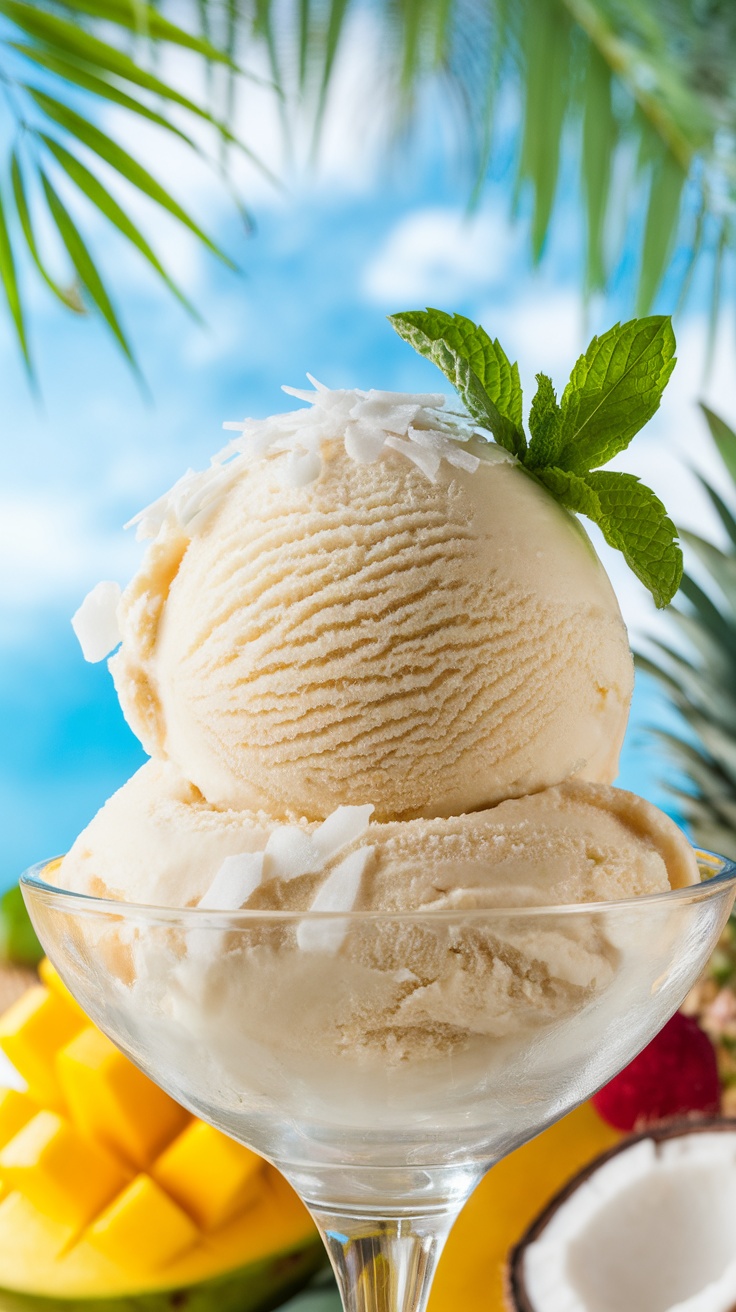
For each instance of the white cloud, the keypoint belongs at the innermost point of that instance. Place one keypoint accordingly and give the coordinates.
(438, 254)
(543, 330)
(57, 551)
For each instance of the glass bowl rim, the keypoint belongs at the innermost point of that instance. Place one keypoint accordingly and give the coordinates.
(724, 876)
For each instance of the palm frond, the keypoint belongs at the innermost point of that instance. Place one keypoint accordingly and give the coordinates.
(616, 79)
(59, 65)
(700, 682)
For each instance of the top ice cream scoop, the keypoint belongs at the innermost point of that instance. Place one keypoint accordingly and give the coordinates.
(359, 609)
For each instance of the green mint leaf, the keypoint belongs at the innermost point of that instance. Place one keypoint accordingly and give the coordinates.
(635, 521)
(477, 367)
(544, 423)
(572, 491)
(614, 389)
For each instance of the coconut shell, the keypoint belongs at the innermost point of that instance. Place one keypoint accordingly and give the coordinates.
(516, 1296)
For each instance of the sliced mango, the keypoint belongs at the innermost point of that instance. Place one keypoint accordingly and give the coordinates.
(111, 1100)
(209, 1175)
(55, 984)
(81, 1217)
(29, 1235)
(32, 1032)
(143, 1228)
(16, 1110)
(67, 1177)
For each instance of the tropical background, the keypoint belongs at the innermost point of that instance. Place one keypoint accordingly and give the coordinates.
(201, 202)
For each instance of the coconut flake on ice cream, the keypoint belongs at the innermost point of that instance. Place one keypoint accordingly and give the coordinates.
(358, 603)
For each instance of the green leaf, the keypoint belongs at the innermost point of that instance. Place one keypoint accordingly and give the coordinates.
(76, 74)
(123, 163)
(725, 515)
(144, 20)
(600, 137)
(85, 266)
(335, 27)
(69, 296)
(635, 521)
(10, 286)
(475, 365)
(547, 47)
(724, 438)
(100, 197)
(544, 424)
(663, 213)
(614, 389)
(572, 491)
(19, 945)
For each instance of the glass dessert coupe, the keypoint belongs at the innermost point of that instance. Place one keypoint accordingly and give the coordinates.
(383, 1061)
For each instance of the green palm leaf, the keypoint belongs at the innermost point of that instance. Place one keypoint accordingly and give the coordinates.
(10, 285)
(69, 296)
(85, 266)
(93, 189)
(123, 163)
(700, 681)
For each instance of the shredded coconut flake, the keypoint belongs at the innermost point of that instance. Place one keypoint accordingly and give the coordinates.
(237, 878)
(95, 622)
(338, 893)
(418, 426)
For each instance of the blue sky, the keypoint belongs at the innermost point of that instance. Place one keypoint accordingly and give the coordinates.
(327, 261)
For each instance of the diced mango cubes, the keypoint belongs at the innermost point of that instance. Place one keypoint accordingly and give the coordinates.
(143, 1227)
(111, 1100)
(32, 1032)
(16, 1110)
(209, 1175)
(55, 984)
(100, 1166)
(67, 1177)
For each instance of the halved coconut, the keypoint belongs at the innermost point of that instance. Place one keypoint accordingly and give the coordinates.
(648, 1227)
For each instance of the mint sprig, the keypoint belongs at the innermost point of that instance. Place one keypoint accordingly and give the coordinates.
(614, 389)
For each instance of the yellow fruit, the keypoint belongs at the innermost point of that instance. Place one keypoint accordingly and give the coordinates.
(471, 1273)
(65, 1176)
(32, 1032)
(114, 1197)
(143, 1228)
(210, 1176)
(111, 1100)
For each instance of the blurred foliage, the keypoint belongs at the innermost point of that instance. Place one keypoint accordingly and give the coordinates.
(697, 672)
(644, 92)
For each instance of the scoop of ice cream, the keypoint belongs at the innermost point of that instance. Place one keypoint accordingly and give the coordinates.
(373, 635)
(157, 841)
(408, 987)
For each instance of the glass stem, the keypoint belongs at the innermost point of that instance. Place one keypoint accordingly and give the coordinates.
(386, 1264)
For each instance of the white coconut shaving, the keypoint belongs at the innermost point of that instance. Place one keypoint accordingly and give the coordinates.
(415, 424)
(338, 893)
(289, 853)
(237, 878)
(95, 622)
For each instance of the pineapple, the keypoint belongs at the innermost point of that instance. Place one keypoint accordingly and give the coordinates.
(701, 685)
(699, 679)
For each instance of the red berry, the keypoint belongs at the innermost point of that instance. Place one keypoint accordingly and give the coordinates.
(674, 1075)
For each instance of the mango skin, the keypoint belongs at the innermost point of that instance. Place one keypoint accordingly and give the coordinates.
(472, 1271)
(257, 1287)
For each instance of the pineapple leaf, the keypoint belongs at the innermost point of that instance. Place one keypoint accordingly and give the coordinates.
(724, 438)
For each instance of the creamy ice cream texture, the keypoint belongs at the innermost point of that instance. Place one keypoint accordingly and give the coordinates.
(378, 668)
(429, 646)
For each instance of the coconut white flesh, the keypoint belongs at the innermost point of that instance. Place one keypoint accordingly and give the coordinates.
(652, 1230)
